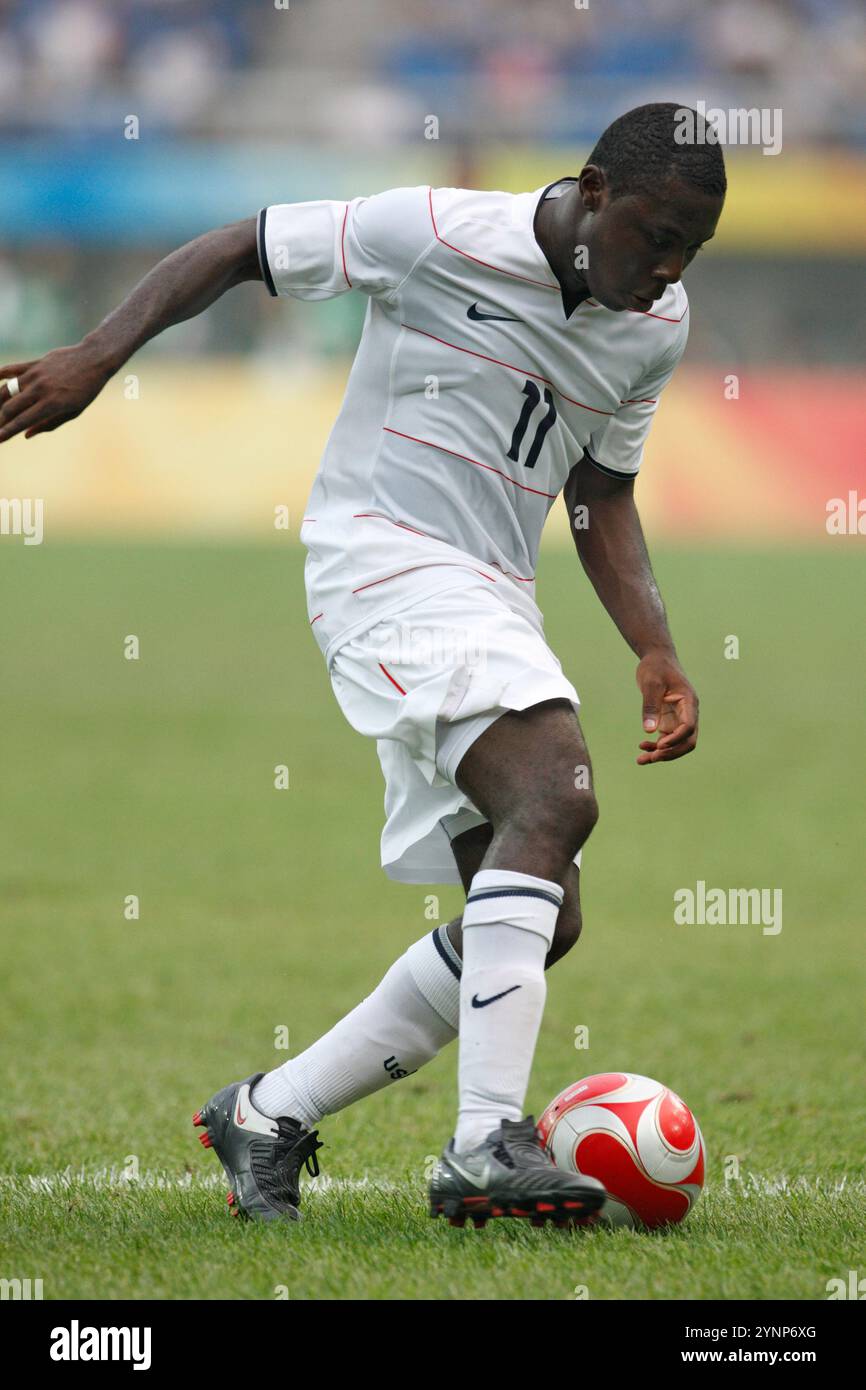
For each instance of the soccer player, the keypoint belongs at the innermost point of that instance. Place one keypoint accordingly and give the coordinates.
(514, 348)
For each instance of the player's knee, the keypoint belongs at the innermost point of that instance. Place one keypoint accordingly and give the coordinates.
(560, 823)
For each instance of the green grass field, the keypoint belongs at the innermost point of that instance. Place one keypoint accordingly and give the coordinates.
(262, 909)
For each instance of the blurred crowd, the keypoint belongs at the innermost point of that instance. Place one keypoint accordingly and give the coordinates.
(63, 63)
(498, 67)
(361, 77)
(548, 66)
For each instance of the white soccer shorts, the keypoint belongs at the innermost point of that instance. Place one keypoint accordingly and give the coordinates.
(425, 683)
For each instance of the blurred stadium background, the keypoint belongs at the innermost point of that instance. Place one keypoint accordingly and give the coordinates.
(242, 105)
(155, 777)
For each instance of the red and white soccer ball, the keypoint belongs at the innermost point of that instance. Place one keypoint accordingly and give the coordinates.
(636, 1137)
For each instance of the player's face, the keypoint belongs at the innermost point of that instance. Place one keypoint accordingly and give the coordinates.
(639, 244)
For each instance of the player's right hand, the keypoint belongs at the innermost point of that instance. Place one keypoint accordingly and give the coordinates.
(52, 389)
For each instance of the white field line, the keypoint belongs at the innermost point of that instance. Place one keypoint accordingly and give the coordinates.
(116, 1179)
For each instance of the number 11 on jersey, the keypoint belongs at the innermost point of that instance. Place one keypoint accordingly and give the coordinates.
(533, 398)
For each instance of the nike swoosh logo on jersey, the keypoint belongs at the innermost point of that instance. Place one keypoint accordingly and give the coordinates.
(482, 1003)
(473, 312)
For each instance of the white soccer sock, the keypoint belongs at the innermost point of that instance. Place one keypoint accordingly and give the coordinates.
(508, 927)
(411, 1014)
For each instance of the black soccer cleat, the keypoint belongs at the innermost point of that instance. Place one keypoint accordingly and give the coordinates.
(262, 1157)
(510, 1174)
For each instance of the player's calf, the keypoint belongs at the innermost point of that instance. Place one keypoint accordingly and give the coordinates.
(569, 923)
(469, 850)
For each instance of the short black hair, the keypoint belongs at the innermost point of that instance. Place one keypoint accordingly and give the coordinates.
(638, 152)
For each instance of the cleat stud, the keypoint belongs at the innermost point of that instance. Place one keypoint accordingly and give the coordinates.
(197, 1119)
(458, 1221)
(536, 1220)
(497, 1211)
(479, 1222)
(544, 1206)
(205, 1140)
(518, 1211)
(573, 1206)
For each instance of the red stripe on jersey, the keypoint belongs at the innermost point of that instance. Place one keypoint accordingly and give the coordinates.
(377, 516)
(545, 284)
(509, 575)
(343, 246)
(316, 619)
(497, 361)
(391, 679)
(647, 315)
(434, 564)
(454, 454)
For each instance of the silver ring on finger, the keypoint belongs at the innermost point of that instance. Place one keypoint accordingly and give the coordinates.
(12, 386)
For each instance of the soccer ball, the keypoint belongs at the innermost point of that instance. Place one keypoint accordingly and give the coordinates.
(636, 1137)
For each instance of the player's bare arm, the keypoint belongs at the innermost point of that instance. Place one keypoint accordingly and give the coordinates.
(613, 553)
(59, 386)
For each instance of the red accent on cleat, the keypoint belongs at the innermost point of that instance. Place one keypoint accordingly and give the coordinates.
(497, 1211)
(197, 1119)
(518, 1211)
(474, 1201)
(205, 1140)
(544, 1206)
(573, 1206)
(230, 1198)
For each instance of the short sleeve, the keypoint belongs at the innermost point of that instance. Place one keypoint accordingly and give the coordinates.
(322, 249)
(617, 446)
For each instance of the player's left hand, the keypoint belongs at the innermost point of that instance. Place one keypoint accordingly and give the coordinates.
(670, 708)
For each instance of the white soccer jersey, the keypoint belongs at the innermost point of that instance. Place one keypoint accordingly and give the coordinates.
(471, 397)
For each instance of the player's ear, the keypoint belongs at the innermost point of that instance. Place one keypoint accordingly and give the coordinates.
(593, 187)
